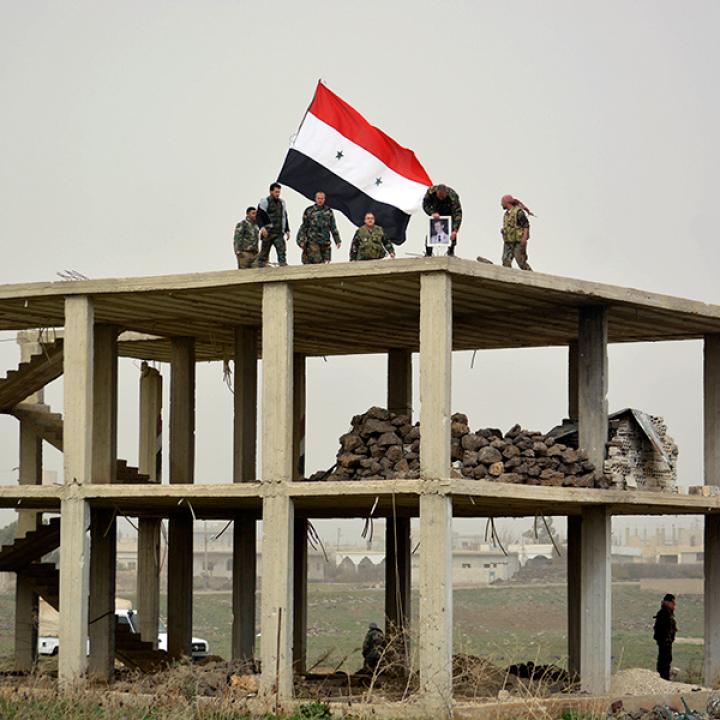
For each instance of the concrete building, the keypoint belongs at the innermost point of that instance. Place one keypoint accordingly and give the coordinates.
(447, 304)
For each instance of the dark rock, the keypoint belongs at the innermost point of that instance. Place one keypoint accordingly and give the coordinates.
(511, 451)
(510, 478)
(349, 460)
(349, 442)
(540, 448)
(473, 442)
(388, 438)
(394, 454)
(469, 458)
(378, 413)
(458, 429)
(480, 472)
(489, 455)
(373, 426)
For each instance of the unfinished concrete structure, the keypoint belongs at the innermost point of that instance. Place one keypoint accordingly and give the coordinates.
(431, 306)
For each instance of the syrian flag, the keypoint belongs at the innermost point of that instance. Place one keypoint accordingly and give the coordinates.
(358, 167)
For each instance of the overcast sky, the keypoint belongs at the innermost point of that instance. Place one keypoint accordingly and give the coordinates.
(133, 135)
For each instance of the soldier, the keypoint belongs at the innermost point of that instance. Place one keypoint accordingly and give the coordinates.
(274, 227)
(372, 647)
(318, 224)
(664, 632)
(515, 232)
(246, 239)
(443, 200)
(369, 242)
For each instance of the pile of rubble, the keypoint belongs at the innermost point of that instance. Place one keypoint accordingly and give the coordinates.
(381, 444)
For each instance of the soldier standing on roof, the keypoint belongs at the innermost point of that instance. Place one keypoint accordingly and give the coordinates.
(443, 200)
(515, 232)
(245, 241)
(318, 224)
(274, 227)
(369, 242)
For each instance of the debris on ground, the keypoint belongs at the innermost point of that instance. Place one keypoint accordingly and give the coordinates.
(639, 681)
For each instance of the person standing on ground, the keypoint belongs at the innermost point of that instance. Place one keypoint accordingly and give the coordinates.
(246, 239)
(664, 632)
(443, 200)
(318, 224)
(274, 227)
(515, 232)
(369, 242)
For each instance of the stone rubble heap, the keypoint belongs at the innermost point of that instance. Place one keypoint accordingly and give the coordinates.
(381, 444)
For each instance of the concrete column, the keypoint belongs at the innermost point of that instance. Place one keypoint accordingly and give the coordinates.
(300, 561)
(397, 529)
(574, 595)
(592, 383)
(711, 386)
(244, 586)
(149, 528)
(435, 635)
(435, 374)
(103, 548)
(399, 382)
(574, 533)
(278, 373)
(148, 578)
(26, 601)
(78, 389)
(245, 470)
(278, 510)
(435, 632)
(182, 469)
(596, 595)
(103, 536)
(74, 587)
(300, 587)
(573, 380)
(398, 566)
(75, 513)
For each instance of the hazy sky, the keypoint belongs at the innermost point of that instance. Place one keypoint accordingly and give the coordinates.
(133, 135)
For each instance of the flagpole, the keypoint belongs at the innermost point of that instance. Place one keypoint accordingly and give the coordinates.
(307, 110)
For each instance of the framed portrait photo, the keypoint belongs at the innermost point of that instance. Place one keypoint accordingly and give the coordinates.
(439, 231)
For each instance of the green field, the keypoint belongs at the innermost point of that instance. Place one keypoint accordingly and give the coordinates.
(509, 624)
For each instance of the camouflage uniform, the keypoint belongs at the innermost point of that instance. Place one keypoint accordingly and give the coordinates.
(370, 244)
(246, 242)
(514, 223)
(372, 647)
(318, 224)
(449, 206)
(272, 217)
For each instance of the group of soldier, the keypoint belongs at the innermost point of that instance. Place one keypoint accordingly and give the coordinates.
(266, 226)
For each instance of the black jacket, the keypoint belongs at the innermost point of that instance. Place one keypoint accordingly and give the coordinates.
(665, 627)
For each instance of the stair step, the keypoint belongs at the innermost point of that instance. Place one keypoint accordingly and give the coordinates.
(30, 376)
(31, 547)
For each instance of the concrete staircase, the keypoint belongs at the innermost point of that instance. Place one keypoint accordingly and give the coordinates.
(32, 547)
(49, 426)
(31, 376)
(44, 578)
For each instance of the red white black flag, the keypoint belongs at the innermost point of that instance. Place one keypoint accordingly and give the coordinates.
(358, 167)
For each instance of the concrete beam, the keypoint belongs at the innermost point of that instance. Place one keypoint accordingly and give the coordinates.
(435, 374)
(182, 470)
(711, 414)
(595, 588)
(244, 586)
(149, 528)
(592, 383)
(435, 632)
(74, 588)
